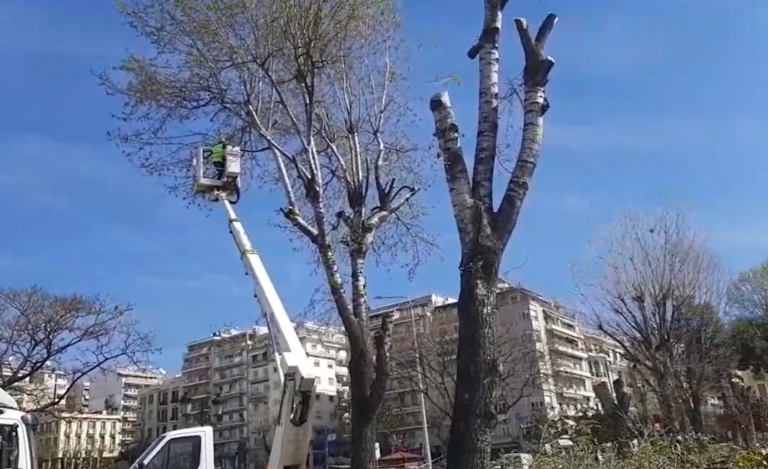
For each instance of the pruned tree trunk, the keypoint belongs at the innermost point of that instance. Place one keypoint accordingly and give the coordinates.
(484, 232)
(474, 405)
(695, 416)
(732, 417)
(616, 409)
(742, 410)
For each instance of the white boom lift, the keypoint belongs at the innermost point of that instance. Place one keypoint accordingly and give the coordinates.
(293, 431)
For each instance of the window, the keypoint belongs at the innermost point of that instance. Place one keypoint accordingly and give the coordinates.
(174, 397)
(178, 453)
(330, 365)
(331, 382)
(317, 363)
(10, 438)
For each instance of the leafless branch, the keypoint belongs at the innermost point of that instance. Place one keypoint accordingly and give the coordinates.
(654, 288)
(44, 335)
(320, 85)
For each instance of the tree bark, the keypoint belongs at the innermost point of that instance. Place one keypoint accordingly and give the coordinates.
(483, 232)
(695, 414)
(474, 416)
(363, 429)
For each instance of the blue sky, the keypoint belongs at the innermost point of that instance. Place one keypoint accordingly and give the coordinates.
(652, 102)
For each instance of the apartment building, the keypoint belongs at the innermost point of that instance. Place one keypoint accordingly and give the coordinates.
(568, 360)
(160, 408)
(42, 388)
(549, 363)
(402, 425)
(78, 440)
(78, 397)
(118, 391)
(231, 379)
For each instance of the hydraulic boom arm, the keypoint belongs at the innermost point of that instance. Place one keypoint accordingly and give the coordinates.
(293, 432)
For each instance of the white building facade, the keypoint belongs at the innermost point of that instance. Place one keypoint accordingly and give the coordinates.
(118, 392)
(230, 380)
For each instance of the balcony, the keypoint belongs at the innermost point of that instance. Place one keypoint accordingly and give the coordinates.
(575, 393)
(565, 367)
(196, 380)
(232, 392)
(197, 352)
(229, 377)
(238, 361)
(558, 329)
(569, 350)
(261, 378)
(191, 366)
(322, 354)
(230, 424)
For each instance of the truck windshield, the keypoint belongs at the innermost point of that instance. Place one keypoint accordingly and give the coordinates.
(146, 452)
(9, 446)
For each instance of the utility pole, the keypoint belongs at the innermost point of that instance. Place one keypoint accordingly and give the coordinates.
(419, 377)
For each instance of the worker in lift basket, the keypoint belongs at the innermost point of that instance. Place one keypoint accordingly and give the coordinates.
(218, 155)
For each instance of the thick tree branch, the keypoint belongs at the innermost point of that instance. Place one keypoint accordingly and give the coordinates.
(382, 342)
(486, 145)
(535, 105)
(456, 173)
(292, 215)
(381, 214)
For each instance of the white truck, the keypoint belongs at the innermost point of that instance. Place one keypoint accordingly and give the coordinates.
(17, 438)
(193, 448)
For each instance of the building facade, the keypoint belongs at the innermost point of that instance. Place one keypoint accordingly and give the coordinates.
(549, 361)
(160, 408)
(400, 425)
(231, 380)
(77, 399)
(118, 392)
(40, 389)
(78, 440)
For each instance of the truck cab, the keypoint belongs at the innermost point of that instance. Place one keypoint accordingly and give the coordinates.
(17, 439)
(188, 448)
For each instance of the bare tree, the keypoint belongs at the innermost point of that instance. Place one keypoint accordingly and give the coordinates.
(748, 302)
(707, 359)
(72, 336)
(313, 91)
(650, 281)
(436, 355)
(484, 232)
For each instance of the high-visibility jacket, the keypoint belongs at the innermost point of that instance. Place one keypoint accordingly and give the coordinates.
(217, 153)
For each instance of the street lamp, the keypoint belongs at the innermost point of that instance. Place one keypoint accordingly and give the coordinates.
(419, 377)
(186, 405)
